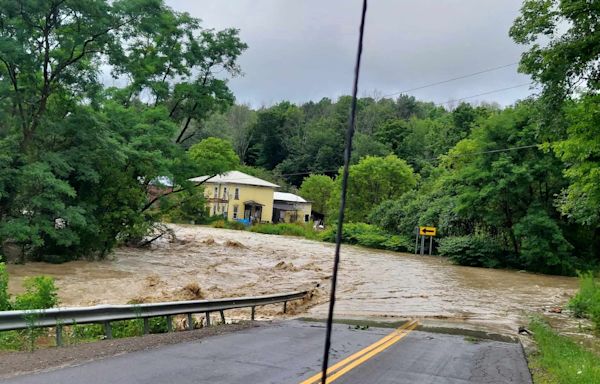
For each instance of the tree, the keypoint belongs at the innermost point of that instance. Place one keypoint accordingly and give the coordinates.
(317, 189)
(563, 58)
(562, 37)
(277, 132)
(372, 181)
(580, 201)
(236, 124)
(77, 158)
(214, 156)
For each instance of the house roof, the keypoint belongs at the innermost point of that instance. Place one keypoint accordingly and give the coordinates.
(235, 177)
(283, 196)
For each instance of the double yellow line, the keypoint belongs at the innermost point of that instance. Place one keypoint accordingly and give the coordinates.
(352, 361)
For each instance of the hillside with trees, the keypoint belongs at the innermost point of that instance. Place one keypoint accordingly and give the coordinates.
(514, 186)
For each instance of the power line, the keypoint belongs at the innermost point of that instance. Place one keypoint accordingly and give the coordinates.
(485, 93)
(451, 79)
(486, 152)
(318, 172)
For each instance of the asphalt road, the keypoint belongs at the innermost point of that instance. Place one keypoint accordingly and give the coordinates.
(290, 352)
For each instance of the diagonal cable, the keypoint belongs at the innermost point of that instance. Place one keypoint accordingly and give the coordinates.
(340, 223)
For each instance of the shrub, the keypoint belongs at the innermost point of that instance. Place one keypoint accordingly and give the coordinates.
(4, 296)
(472, 250)
(586, 303)
(40, 293)
(235, 225)
(286, 229)
(543, 246)
(12, 340)
(228, 224)
(368, 236)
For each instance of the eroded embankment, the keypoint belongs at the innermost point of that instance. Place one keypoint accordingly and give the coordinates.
(211, 263)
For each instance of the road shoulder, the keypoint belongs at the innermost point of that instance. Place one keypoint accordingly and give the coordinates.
(21, 363)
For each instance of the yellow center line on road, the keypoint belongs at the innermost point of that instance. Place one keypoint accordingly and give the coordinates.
(340, 368)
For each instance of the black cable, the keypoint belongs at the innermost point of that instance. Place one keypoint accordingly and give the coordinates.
(340, 224)
(485, 93)
(450, 80)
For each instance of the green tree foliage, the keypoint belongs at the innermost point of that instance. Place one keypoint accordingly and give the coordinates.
(77, 159)
(543, 246)
(473, 250)
(562, 37)
(214, 156)
(372, 181)
(586, 303)
(273, 176)
(317, 189)
(580, 150)
(236, 124)
(276, 132)
(40, 293)
(4, 296)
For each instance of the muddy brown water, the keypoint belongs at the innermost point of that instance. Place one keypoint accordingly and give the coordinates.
(372, 283)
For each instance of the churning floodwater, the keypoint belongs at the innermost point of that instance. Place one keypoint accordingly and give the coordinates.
(372, 283)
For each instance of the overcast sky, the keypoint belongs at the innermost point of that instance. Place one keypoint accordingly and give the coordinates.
(302, 50)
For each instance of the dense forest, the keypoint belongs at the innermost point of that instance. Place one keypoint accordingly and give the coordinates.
(511, 187)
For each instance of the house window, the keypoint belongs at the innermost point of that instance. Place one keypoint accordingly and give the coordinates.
(237, 194)
(235, 210)
(216, 192)
(225, 193)
(306, 218)
(214, 209)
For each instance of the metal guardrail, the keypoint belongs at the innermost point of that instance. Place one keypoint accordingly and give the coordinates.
(58, 317)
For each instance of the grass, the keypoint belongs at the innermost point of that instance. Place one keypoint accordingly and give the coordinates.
(79, 333)
(586, 303)
(12, 341)
(560, 360)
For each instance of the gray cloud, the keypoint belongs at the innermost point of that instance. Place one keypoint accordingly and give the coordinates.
(304, 50)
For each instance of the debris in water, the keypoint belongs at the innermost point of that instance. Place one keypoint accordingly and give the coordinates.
(523, 330)
(193, 291)
(152, 281)
(209, 241)
(283, 266)
(234, 244)
(139, 300)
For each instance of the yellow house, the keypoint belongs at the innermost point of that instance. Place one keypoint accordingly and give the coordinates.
(236, 195)
(290, 208)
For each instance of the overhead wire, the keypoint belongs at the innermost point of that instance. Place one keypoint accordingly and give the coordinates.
(318, 172)
(451, 79)
(485, 93)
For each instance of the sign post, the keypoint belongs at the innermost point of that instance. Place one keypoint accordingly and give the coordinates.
(427, 231)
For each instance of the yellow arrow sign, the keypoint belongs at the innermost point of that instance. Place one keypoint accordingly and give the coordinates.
(427, 231)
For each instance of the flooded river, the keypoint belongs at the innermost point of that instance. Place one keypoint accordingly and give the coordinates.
(374, 284)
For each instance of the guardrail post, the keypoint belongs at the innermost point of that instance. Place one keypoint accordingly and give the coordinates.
(285, 307)
(146, 326)
(59, 335)
(169, 323)
(222, 316)
(252, 314)
(207, 319)
(108, 330)
(190, 322)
